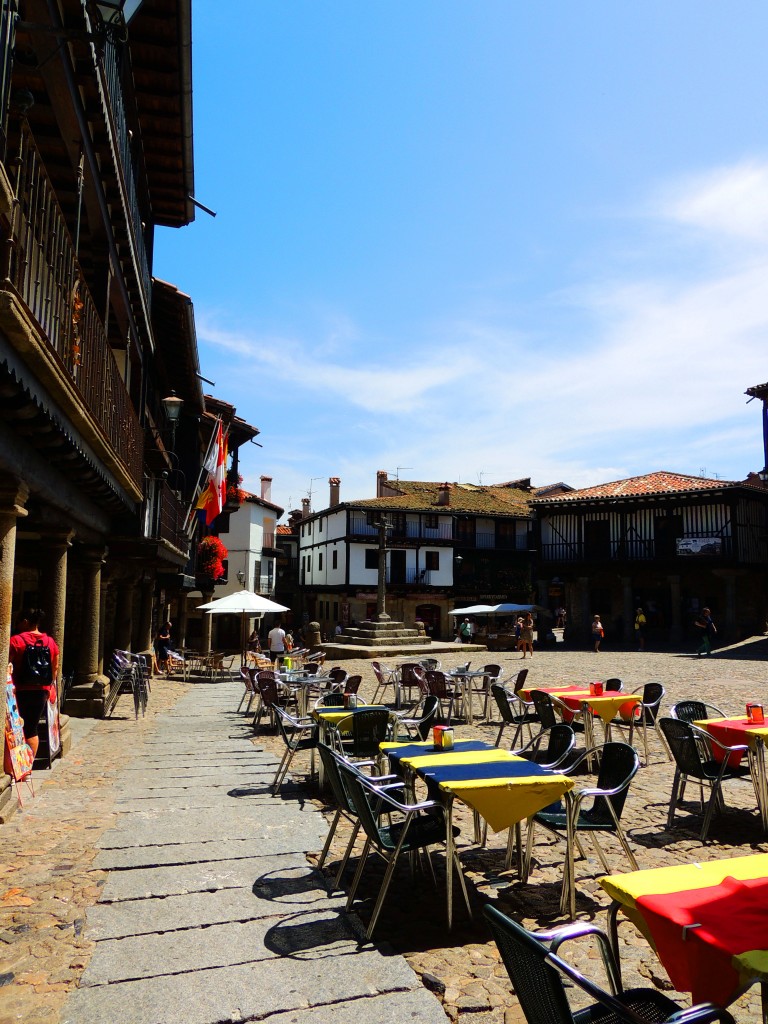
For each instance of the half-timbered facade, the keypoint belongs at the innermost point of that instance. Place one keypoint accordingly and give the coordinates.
(447, 545)
(664, 541)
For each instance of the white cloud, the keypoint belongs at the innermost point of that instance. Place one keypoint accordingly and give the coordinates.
(655, 379)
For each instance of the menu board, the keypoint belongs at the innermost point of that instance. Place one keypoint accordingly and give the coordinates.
(17, 756)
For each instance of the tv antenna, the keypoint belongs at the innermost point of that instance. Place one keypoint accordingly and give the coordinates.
(480, 478)
(309, 492)
(397, 472)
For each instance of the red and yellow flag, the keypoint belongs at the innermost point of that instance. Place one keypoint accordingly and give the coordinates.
(214, 495)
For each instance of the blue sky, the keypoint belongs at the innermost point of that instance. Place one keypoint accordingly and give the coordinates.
(480, 241)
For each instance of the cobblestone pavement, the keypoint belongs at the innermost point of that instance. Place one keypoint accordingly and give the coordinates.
(47, 850)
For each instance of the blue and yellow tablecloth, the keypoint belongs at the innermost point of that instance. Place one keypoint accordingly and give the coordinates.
(502, 788)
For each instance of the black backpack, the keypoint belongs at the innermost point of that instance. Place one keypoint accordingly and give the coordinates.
(36, 668)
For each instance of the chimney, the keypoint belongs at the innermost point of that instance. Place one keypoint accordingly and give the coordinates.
(381, 481)
(444, 494)
(266, 488)
(305, 512)
(335, 483)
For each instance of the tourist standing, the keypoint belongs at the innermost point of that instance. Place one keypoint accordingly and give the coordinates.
(640, 625)
(465, 631)
(276, 641)
(163, 648)
(526, 635)
(597, 633)
(708, 632)
(35, 659)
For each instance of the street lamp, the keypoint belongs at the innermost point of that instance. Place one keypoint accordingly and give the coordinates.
(241, 577)
(172, 405)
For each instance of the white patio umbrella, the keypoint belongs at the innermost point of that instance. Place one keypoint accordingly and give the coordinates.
(246, 604)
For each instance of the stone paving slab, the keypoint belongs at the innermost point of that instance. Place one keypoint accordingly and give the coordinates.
(230, 994)
(251, 787)
(198, 910)
(306, 935)
(210, 796)
(143, 773)
(203, 875)
(419, 1006)
(199, 826)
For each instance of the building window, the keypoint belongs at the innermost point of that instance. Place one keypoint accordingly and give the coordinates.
(432, 559)
(309, 563)
(320, 528)
(320, 560)
(334, 559)
(371, 558)
(430, 522)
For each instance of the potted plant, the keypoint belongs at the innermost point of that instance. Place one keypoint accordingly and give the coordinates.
(210, 558)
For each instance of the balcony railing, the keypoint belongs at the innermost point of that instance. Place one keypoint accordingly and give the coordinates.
(268, 540)
(46, 276)
(360, 527)
(169, 517)
(411, 577)
(121, 141)
(637, 550)
(8, 13)
(264, 585)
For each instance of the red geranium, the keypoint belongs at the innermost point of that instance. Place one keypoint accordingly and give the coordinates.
(210, 555)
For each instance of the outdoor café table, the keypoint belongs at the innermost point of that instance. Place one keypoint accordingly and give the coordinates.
(302, 683)
(464, 682)
(605, 707)
(743, 732)
(500, 787)
(707, 923)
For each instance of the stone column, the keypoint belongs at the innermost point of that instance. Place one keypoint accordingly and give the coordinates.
(628, 609)
(55, 547)
(144, 635)
(207, 625)
(13, 496)
(676, 627)
(181, 620)
(124, 614)
(104, 585)
(87, 670)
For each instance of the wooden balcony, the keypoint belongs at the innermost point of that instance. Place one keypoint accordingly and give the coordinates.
(50, 314)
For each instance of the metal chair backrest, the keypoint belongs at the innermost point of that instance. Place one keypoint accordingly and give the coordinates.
(493, 672)
(330, 700)
(613, 685)
(337, 674)
(431, 706)
(358, 798)
(538, 986)
(536, 976)
(430, 664)
(437, 684)
(286, 722)
(545, 709)
(695, 710)
(331, 768)
(618, 766)
(311, 668)
(684, 743)
(265, 673)
(247, 679)
(409, 673)
(352, 684)
(502, 698)
(561, 741)
(364, 730)
(377, 671)
(653, 694)
(268, 689)
(519, 682)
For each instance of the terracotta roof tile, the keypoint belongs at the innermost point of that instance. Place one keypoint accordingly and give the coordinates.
(284, 531)
(660, 482)
(473, 499)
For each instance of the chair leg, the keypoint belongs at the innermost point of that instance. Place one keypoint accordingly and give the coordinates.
(501, 730)
(391, 863)
(599, 851)
(673, 800)
(462, 880)
(347, 855)
(528, 849)
(626, 847)
(278, 774)
(711, 804)
(358, 873)
(331, 833)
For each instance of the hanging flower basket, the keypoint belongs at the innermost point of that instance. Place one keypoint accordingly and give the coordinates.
(210, 558)
(235, 494)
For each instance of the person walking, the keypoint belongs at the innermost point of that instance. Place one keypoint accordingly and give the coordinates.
(163, 648)
(597, 633)
(526, 635)
(465, 631)
(35, 659)
(276, 642)
(640, 625)
(708, 632)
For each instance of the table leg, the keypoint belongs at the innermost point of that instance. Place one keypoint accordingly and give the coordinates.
(757, 765)
(449, 852)
(764, 998)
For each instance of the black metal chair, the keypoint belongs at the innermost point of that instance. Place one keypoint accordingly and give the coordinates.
(418, 723)
(644, 715)
(514, 712)
(438, 686)
(618, 766)
(385, 676)
(482, 685)
(338, 677)
(297, 734)
(270, 697)
(613, 686)
(344, 805)
(693, 710)
(359, 735)
(693, 753)
(545, 708)
(537, 972)
(412, 828)
(335, 699)
(557, 755)
(248, 681)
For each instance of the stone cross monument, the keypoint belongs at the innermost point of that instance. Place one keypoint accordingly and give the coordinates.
(381, 596)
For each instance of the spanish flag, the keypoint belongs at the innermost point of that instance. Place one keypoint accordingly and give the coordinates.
(214, 495)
